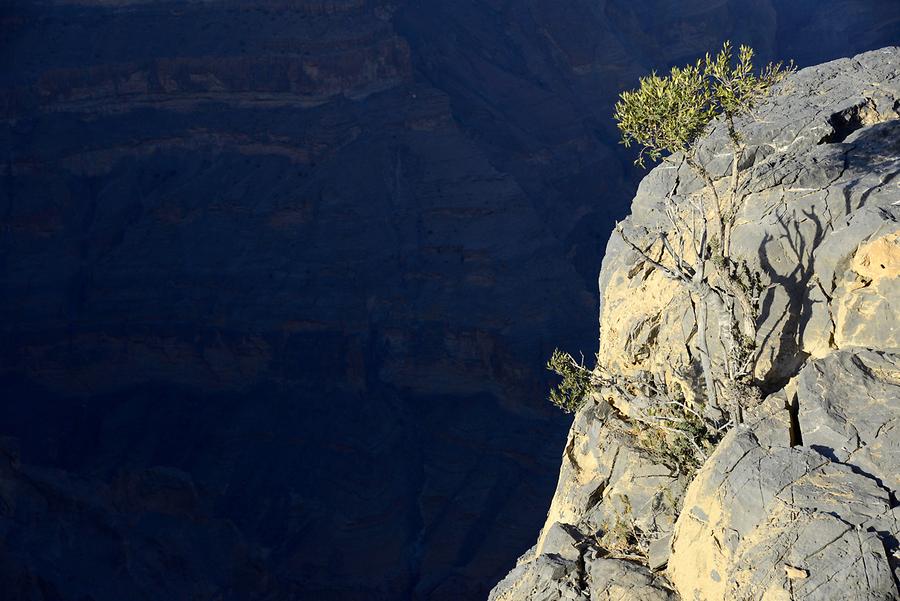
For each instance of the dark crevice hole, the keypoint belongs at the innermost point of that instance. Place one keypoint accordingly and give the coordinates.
(843, 123)
(796, 437)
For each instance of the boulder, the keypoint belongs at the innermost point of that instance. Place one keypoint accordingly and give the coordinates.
(849, 411)
(756, 517)
(618, 580)
(546, 578)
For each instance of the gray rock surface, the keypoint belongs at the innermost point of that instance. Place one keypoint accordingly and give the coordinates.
(755, 515)
(849, 411)
(606, 483)
(819, 219)
(617, 580)
(604, 475)
(763, 520)
(801, 502)
(551, 578)
(546, 578)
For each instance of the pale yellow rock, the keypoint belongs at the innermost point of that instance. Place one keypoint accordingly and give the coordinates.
(600, 470)
(797, 503)
(866, 308)
(705, 566)
(796, 573)
(879, 259)
(645, 320)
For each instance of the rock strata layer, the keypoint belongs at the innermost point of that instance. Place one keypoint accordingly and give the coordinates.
(800, 502)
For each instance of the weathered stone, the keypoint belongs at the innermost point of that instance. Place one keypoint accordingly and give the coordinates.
(849, 411)
(561, 539)
(822, 227)
(771, 420)
(546, 578)
(838, 561)
(552, 578)
(604, 477)
(659, 552)
(604, 480)
(752, 508)
(617, 580)
(857, 286)
(819, 223)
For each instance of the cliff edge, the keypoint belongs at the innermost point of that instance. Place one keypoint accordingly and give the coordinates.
(801, 501)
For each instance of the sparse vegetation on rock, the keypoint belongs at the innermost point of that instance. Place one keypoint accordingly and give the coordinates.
(662, 422)
(577, 381)
(666, 116)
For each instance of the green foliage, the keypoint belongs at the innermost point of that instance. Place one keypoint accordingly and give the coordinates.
(736, 89)
(668, 114)
(570, 394)
(673, 431)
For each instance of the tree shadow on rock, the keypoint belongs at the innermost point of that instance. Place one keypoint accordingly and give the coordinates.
(795, 308)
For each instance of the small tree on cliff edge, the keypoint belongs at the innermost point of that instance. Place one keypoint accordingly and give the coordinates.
(666, 116)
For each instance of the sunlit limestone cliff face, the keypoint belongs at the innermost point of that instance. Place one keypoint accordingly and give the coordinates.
(800, 502)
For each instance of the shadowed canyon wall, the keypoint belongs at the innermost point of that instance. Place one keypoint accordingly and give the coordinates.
(279, 278)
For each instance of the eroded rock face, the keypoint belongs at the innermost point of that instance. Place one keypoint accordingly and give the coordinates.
(778, 523)
(849, 410)
(822, 225)
(605, 475)
(763, 520)
(801, 502)
(819, 224)
(606, 483)
(551, 577)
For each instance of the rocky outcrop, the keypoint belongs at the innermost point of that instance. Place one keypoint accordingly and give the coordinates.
(606, 482)
(800, 502)
(817, 218)
(550, 577)
(763, 522)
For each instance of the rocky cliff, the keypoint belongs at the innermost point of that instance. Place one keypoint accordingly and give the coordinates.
(800, 502)
(296, 266)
